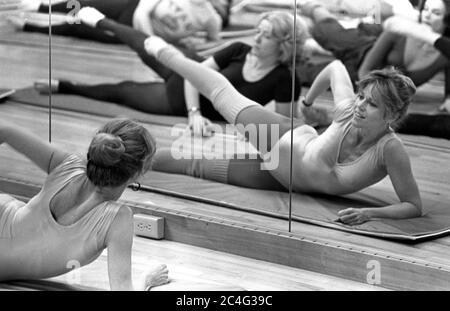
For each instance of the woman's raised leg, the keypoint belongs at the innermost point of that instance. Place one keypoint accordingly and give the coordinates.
(233, 106)
(135, 40)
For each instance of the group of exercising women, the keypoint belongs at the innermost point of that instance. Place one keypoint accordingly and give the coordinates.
(76, 214)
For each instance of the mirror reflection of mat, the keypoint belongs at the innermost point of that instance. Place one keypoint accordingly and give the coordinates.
(318, 210)
(5, 93)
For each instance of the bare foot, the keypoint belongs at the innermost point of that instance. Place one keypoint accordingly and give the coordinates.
(155, 276)
(44, 87)
(17, 20)
(29, 5)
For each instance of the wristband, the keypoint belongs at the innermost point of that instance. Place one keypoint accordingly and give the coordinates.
(193, 109)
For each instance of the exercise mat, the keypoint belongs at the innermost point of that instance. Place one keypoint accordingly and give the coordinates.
(314, 209)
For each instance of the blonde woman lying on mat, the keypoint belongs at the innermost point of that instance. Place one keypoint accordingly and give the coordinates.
(359, 149)
(174, 20)
(75, 216)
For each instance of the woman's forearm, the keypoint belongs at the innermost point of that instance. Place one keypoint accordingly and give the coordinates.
(443, 45)
(335, 76)
(396, 211)
(191, 95)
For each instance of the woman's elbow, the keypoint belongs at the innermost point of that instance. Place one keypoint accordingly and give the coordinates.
(416, 208)
(337, 65)
(362, 72)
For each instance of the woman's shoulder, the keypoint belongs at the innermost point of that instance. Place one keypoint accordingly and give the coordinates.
(240, 47)
(236, 50)
(119, 210)
(119, 219)
(70, 166)
(390, 145)
(71, 161)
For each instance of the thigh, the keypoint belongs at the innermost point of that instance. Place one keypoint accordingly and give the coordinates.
(330, 34)
(264, 128)
(248, 173)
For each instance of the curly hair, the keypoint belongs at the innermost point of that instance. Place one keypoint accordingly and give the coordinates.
(392, 89)
(283, 30)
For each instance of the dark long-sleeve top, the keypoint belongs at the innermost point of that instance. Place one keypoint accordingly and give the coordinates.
(443, 45)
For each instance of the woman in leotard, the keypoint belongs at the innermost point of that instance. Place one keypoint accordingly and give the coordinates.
(260, 72)
(356, 151)
(173, 20)
(75, 216)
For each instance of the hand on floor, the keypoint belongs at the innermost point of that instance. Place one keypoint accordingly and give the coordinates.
(155, 276)
(90, 16)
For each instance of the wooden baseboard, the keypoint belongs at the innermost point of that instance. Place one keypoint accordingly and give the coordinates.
(323, 256)
(395, 272)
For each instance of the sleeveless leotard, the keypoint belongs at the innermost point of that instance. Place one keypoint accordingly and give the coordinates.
(34, 245)
(316, 167)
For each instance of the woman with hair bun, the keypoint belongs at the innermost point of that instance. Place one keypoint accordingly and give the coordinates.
(75, 216)
(261, 72)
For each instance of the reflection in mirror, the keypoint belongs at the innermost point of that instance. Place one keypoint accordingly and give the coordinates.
(262, 132)
(24, 59)
(101, 70)
(359, 154)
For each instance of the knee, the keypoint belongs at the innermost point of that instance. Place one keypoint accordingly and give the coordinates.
(285, 126)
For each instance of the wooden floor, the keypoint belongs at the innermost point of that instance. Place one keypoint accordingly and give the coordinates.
(23, 62)
(193, 268)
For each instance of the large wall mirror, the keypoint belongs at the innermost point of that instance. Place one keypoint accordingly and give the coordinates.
(24, 60)
(93, 76)
(365, 35)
